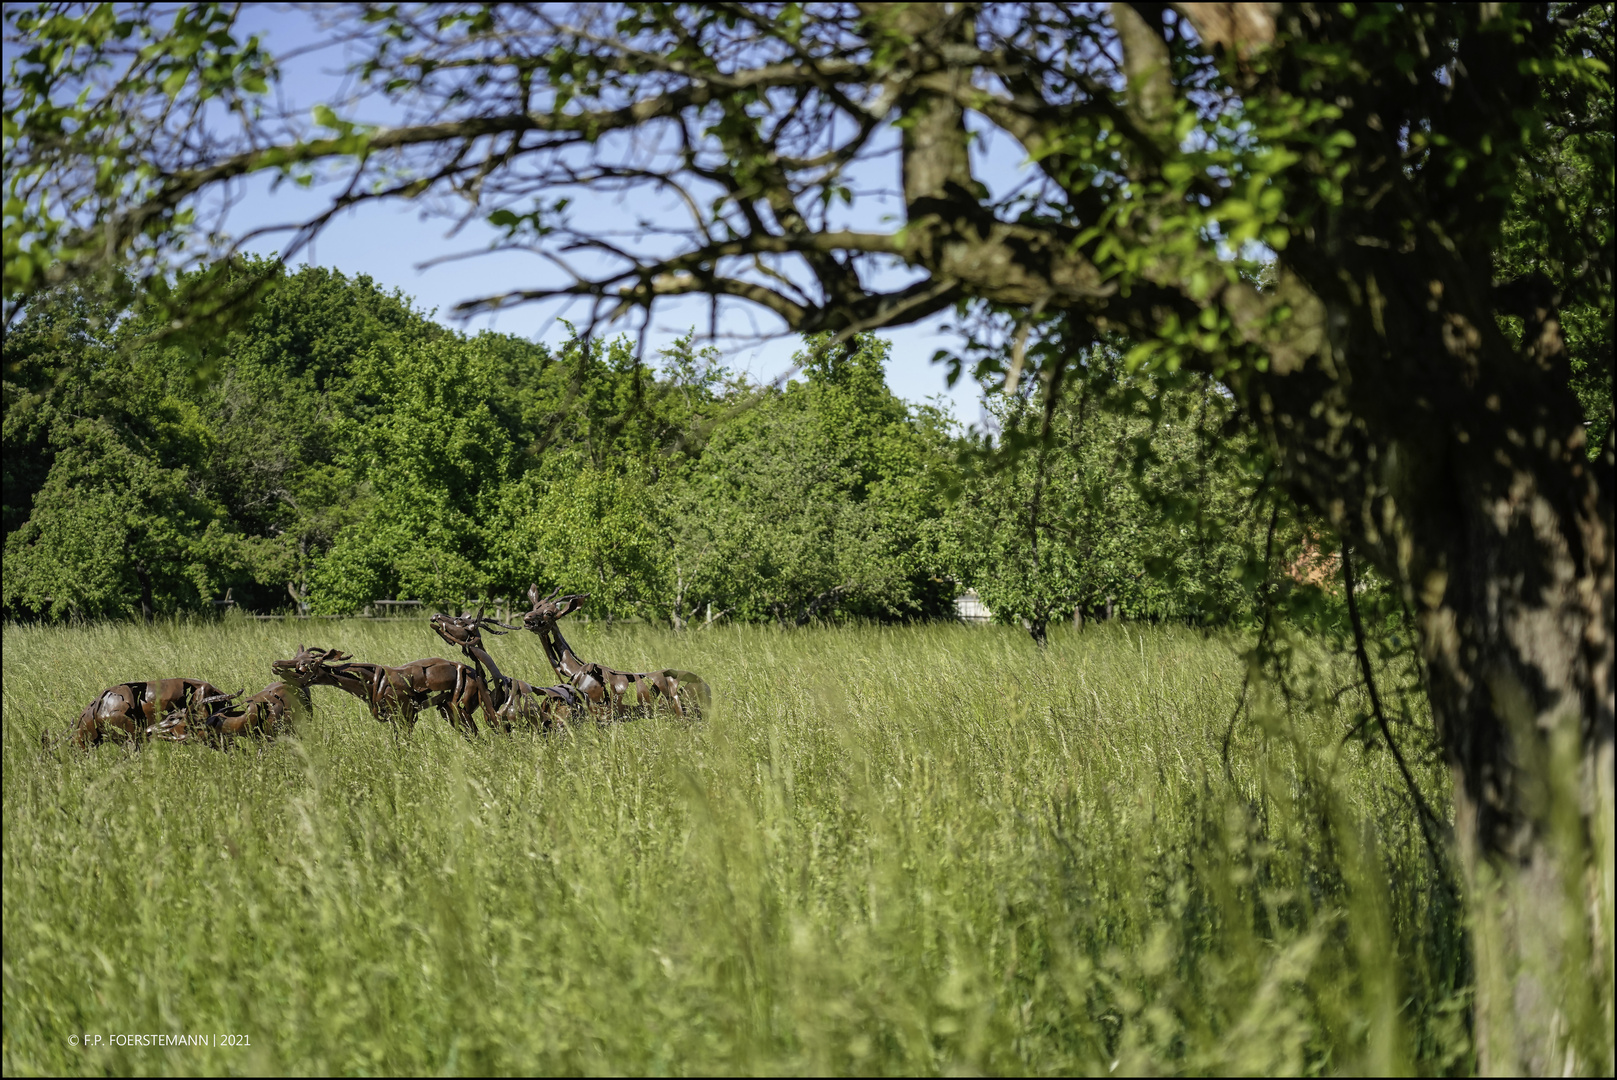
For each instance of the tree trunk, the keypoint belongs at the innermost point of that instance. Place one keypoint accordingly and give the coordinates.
(1038, 628)
(1457, 462)
(1518, 646)
(813, 608)
(145, 578)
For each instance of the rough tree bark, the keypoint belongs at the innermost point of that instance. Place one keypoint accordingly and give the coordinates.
(1464, 475)
(1458, 462)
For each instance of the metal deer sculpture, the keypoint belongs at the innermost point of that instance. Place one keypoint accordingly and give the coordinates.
(455, 690)
(129, 709)
(359, 679)
(607, 688)
(514, 700)
(267, 712)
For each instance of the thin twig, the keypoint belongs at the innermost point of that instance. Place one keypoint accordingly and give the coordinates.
(1428, 820)
(1263, 637)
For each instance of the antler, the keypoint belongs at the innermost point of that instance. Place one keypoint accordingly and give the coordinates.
(486, 620)
(481, 620)
(533, 595)
(170, 728)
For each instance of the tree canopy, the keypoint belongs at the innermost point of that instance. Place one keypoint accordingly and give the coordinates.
(350, 450)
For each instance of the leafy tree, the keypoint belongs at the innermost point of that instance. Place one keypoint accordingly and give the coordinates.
(248, 477)
(432, 459)
(821, 500)
(608, 448)
(1107, 509)
(113, 532)
(103, 516)
(1380, 154)
(1558, 224)
(285, 406)
(49, 356)
(592, 530)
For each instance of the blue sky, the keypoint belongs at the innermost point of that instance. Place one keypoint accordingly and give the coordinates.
(391, 242)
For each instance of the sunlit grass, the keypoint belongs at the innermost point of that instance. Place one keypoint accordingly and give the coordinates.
(891, 850)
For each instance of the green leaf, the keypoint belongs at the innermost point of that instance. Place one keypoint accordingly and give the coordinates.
(1141, 354)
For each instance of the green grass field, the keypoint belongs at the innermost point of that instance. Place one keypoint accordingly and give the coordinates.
(884, 850)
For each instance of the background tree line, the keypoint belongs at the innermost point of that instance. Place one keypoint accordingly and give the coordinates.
(342, 447)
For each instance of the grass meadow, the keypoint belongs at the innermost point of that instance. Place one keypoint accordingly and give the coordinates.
(908, 850)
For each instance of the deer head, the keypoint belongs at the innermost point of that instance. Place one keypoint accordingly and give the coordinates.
(172, 729)
(307, 663)
(467, 630)
(548, 609)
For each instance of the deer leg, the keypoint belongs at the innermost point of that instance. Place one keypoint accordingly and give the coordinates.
(379, 698)
(121, 720)
(461, 703)
(484, 696)
(621, 685)
(669, 686)
(88, 732)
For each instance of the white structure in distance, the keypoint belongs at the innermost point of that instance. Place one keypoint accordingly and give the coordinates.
(971, 609)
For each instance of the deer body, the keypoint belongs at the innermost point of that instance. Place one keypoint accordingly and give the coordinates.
(539, 706)
(280, 703)
(263, 715)
(607, 688)
(514, 700)
(131, 708)
(453, 689)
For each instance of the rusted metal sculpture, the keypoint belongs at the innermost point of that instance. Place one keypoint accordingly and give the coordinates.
(515, 701)
(607, 688)
(356, 678)
(455, 690)
(266, 713)
(465, 632)
(129, 709)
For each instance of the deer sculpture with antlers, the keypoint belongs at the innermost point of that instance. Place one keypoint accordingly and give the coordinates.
(129, 709)
(514, 700)
(606, 689)
(455, 690)
(265, 713)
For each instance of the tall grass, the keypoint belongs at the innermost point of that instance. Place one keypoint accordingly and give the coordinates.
(884, 850)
